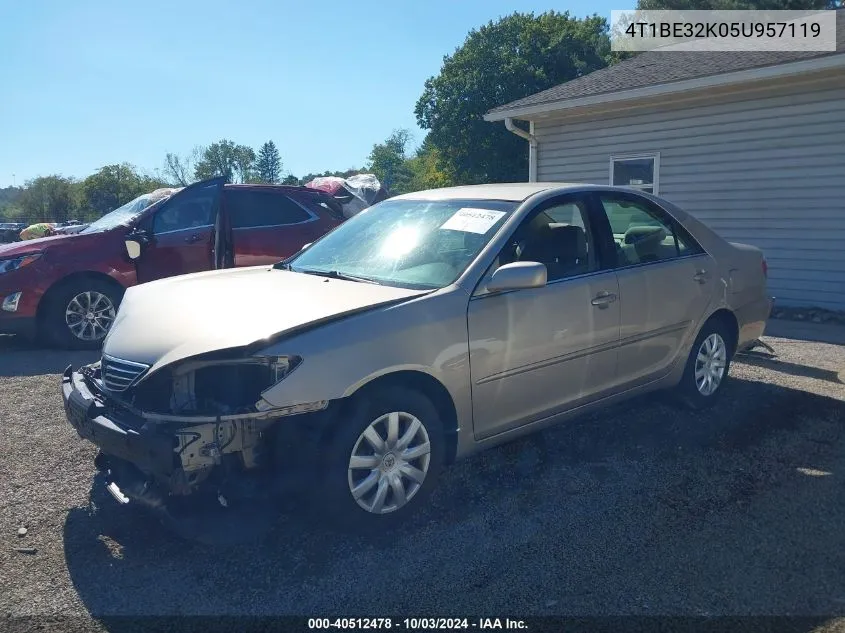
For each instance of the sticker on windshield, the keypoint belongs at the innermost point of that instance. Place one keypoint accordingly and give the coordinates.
(471, 220)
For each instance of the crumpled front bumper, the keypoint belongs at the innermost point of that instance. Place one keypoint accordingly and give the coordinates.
(140, 464)
(117, 434)
(132, 456)
(141, 456)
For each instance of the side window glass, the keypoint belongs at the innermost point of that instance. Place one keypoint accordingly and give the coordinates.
(566, 214)
(643, 233)
(251, 209)
(558, 237)
(190, 210)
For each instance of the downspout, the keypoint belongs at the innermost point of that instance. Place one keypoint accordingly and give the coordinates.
(532, 145)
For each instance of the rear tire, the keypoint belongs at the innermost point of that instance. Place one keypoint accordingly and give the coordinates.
(80, 313)
(706, 371)
(383, 460)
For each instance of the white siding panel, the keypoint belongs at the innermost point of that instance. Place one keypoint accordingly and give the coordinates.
(767, 170)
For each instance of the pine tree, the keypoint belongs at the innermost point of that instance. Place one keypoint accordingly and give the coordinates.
(269, 164)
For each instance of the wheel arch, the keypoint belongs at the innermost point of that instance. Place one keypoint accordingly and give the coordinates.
(58, 286)
(728, 320)
(430, 387)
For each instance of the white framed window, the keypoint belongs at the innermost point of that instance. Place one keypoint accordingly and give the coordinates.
(637, 171)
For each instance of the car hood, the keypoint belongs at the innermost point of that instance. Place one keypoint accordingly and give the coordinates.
(164, 321)
(40, 244)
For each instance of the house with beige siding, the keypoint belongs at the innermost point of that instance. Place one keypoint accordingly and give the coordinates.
(753, 144)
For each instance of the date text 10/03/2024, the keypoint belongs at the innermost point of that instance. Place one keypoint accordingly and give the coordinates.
(416, 624)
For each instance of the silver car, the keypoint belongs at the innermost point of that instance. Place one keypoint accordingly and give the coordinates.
(430, 326)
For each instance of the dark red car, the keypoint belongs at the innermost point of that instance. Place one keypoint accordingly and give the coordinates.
(67, 287)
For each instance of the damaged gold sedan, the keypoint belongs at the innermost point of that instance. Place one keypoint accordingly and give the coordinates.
(197, 427)
(427, 327)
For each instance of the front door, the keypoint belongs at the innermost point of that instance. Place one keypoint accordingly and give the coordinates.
(181, 233)
(536, 352)
(666, 281)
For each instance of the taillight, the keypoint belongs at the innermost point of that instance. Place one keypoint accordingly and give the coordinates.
(765, 268)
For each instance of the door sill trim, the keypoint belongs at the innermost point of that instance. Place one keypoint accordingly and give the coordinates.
(574, 411)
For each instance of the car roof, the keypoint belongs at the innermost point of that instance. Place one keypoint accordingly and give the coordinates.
(272, 187)
(512, 191)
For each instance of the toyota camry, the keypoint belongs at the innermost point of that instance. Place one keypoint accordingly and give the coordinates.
(430, 326)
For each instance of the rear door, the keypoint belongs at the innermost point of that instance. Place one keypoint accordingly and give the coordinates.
(666, 281)
(267, 225)
(181, 233)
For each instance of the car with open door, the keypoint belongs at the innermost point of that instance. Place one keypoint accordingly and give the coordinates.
(424, 328)
(67, 288)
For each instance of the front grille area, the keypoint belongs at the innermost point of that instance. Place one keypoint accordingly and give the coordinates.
(118, 374)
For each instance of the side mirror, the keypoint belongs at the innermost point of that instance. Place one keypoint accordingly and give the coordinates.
(517, 276)
(133, 249)
(135, 241)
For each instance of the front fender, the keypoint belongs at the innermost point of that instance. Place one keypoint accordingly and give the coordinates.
(386, 371)
(427, 335)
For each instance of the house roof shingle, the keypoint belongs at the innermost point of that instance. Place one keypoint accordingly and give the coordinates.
(655, 67)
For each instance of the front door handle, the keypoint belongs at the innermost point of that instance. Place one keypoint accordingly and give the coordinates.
(603, 299)
(196, 237)
(701, 276)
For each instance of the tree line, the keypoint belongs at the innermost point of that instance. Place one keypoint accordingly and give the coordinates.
(501, 61)
(58, 198)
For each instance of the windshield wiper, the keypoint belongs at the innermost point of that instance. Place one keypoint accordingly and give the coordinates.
(334, 274)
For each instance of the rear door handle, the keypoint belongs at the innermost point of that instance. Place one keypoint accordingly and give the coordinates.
(603, 299)
(701, 276)
(196, 237)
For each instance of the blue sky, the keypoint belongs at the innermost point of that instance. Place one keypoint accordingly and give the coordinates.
(95, 82)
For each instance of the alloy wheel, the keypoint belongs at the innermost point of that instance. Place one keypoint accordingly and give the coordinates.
(710, 364)
(389, 462)
(89, 315)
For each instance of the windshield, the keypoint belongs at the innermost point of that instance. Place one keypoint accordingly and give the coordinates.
(122, 215)
(407, 243)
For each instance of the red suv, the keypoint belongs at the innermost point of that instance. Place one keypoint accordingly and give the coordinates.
(67, 287)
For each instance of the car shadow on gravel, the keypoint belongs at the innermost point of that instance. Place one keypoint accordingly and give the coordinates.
(22, 357)
(772, 362)
(593, 503)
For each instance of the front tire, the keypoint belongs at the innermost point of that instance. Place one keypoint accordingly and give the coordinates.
(80, 313)
(383, 460)
(707, 367)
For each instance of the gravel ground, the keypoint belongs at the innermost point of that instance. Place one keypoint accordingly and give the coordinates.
(642, 509)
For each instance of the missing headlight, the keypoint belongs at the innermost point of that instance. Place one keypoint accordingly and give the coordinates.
(213, 387)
